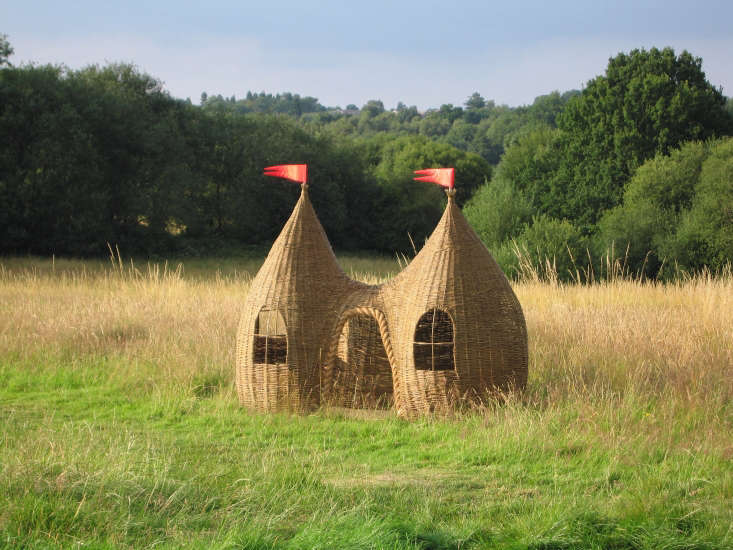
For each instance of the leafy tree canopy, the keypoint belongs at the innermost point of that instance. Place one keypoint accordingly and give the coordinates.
(705, 233)
(413, 207)
(676, 208)
(475, 101)
(647, 103)
(6, 50)
(497, 212)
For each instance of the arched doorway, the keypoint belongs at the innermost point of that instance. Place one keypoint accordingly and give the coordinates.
(361, 375)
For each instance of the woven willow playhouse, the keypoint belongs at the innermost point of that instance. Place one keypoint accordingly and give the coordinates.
(447, 327)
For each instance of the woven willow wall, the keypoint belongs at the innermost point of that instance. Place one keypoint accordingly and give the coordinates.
(448, 327)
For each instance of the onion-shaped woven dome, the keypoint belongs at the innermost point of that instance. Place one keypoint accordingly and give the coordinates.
(291, 306)
(448, 327)
(457, 327)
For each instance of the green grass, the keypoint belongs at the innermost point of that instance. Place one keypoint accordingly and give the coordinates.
(109, 445)
(94, 452)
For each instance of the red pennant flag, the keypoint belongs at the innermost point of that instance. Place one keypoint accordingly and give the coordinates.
(442, 176)
(292, 172)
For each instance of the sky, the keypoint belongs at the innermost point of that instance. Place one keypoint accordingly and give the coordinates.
(423, 53)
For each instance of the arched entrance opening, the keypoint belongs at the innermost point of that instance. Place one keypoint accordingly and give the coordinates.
(361, 375)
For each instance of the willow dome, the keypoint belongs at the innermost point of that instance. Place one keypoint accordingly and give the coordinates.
(448, 327)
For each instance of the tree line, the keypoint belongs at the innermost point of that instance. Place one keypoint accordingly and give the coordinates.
(640, 166)
(105, 155)
(638, 159)
(480, 127)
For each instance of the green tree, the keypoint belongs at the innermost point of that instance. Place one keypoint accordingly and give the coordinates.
(547, 242)
(124, 111)
(461, 134)
(647, 103)
(546, 108)
(495, 133)
(674, 211)
(660, 190)
(6, 50)
(406, 114)
(475, 101)
(705, 233)
(434, 125)
(410, 207)
(449, 112)
(51, 181)
(498, 212)
(372, 108)
(527, 163)
(93, 156)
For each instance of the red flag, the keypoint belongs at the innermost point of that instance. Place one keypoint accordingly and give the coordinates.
(293, 172)
(441, 176)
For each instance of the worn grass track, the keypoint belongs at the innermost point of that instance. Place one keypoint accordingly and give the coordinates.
(119, 425)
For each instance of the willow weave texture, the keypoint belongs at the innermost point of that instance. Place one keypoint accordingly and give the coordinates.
(446, 328)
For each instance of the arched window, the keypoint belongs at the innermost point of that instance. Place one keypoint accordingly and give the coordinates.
(271, 340)
(433, 346)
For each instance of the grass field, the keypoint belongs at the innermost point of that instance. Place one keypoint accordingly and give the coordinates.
(119, 425)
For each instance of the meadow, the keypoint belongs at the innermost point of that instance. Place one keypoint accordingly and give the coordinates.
(120, 427)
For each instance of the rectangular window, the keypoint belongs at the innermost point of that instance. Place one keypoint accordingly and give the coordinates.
(271, 350)
(270, 339)
(433, 345)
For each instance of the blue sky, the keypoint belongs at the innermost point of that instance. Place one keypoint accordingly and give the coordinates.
(420, 52)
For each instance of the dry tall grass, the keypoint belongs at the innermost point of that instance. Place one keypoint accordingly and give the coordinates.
(182, 321)
(671, 341)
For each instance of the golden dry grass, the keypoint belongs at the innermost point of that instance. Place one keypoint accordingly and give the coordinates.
(671, 340)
